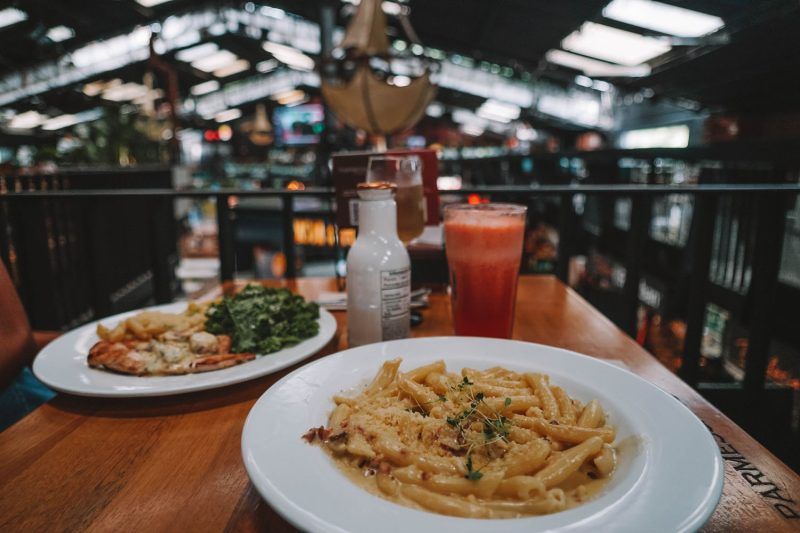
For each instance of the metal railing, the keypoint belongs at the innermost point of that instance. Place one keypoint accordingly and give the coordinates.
(769, 202)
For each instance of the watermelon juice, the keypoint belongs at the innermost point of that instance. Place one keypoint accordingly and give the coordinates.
(484, 248)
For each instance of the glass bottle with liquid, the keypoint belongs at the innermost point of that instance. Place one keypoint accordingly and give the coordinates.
(406, 173)
(378, 271)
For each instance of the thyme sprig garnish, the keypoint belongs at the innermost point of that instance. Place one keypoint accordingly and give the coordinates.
(472, 474)
(496, 427)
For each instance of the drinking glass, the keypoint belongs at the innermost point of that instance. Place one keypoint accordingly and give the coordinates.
(484, 248)
(406, 173)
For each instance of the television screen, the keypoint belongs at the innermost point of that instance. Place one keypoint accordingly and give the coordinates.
(302, 124)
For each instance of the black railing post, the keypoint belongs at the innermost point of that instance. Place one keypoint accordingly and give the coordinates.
(566, 223)
(641, 211)
(99, 263)
(701, 237)
(163, 232)
(225, 239)
(770, 220)
(288, 236)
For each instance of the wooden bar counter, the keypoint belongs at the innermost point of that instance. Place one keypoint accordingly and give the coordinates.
(174, 463)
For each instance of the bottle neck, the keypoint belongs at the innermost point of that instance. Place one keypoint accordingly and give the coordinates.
(378, 217)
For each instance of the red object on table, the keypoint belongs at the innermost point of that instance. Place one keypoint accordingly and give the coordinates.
(483, 256)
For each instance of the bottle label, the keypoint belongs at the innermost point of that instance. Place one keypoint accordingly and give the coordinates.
(395, 299)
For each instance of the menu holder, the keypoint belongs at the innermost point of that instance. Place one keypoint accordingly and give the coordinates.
(350, 169)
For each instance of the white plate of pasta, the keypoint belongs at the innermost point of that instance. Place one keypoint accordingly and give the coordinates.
(479, 434)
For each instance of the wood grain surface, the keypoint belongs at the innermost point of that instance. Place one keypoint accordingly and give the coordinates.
(174, 464)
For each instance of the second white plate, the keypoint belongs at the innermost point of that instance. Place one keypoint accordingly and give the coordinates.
(62, 365)
(669, 476)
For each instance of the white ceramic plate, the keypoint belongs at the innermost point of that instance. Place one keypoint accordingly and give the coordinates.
(62, 364)
(669, 480)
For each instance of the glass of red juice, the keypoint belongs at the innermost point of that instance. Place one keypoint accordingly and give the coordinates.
(484, 249)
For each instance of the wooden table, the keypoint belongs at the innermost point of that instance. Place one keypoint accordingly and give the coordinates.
(174, 463)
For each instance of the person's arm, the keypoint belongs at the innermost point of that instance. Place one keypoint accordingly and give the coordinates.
(17, 346)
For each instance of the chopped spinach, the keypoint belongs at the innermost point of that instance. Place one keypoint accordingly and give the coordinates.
(263, 320)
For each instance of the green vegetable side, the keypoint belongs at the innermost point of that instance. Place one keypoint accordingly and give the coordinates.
(262, 320)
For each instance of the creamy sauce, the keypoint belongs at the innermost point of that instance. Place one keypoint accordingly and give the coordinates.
(578, 488)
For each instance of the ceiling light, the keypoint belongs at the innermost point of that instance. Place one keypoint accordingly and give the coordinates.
(151, 3)
(391, 8)
(196, 52)
(27, 120)
(228, 115)
(234, 68)
(499, 109)
(11, 15)
(401, 81)
(267, 66)
(96, 87)
(64, 121)
(215, 61)
(291, 56)
(610, 44)
(490, 116)
(273, 12)
(125, 92)
(60, 33)
(464, 116)
(663, 18)
(204, 88)
(593, 67)
(471, 129)
(435, 110)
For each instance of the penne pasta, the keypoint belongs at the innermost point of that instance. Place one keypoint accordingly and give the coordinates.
(480, 443)
(568, 462)
(563, 432)
(565, 406)
(592, 415)
(445, 484)
(521, 487)
(442, 504)
(522, 435)
(527, 458)
(424, 396)
(539, 384)
(439, 383)
(419, 373)
(385, 376)
(517, 404)
(606, 461)
(553, 501)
